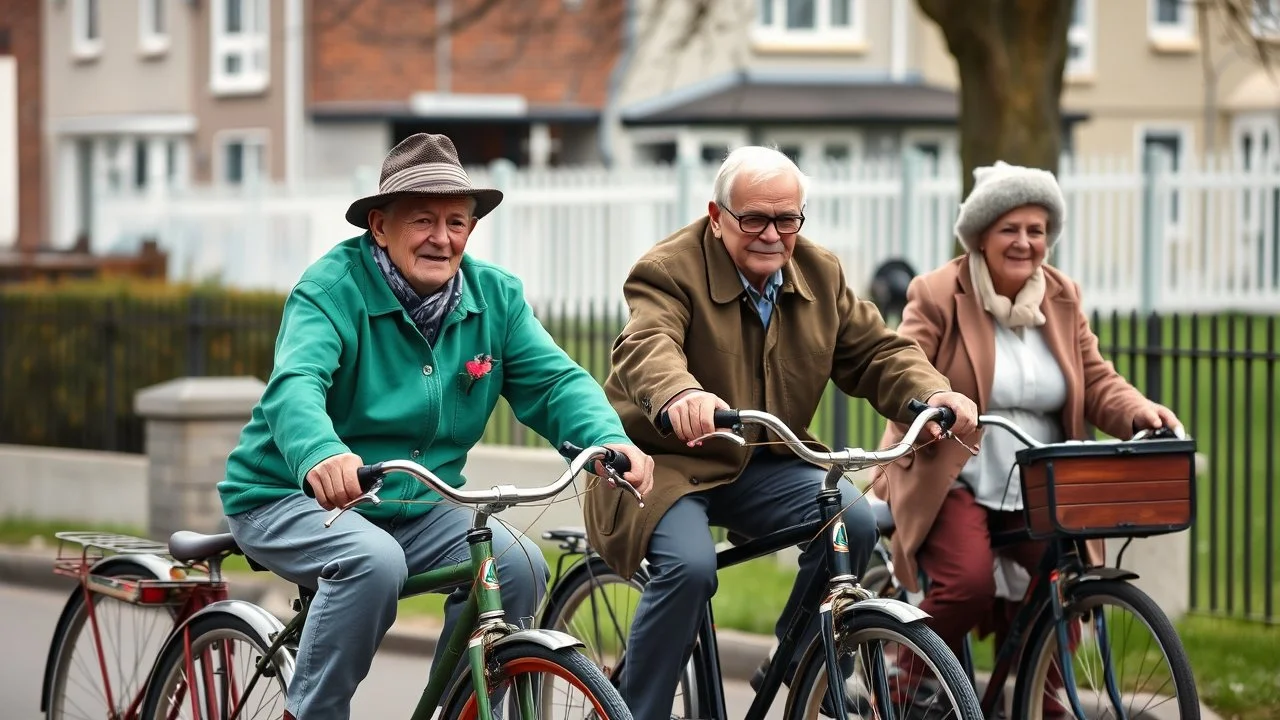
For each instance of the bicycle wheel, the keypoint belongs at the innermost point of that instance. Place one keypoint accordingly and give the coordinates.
(1098, 610)
(106, 676)
(596, 605)
(921, 676)
(224, 655)
(550, 677)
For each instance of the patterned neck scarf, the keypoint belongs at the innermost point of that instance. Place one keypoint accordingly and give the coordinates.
(428, 312)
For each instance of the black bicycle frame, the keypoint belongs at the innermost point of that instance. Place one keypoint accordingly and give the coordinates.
(840, 570)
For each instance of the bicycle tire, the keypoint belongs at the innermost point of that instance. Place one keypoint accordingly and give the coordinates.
(71, 623)
(200, 629)
(852, 623)
(1146, 609)
(570, 591)
(576, 666)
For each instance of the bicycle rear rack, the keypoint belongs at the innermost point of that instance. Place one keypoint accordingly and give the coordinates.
(80, 551)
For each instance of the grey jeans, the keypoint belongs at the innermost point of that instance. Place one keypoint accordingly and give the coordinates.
(773, 493)
(358, 569)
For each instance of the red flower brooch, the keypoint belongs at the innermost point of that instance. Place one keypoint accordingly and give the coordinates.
(477, 368)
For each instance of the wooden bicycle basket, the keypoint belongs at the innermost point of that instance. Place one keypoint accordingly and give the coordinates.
(1108, 489)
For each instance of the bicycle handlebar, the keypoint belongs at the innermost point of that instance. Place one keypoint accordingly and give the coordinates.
(371, 479)
(1016, 430)
(849, 458)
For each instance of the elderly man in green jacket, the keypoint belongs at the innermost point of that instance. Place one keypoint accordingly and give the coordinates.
(396, 344)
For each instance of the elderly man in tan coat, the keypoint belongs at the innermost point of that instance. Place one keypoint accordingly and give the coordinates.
(737, 310)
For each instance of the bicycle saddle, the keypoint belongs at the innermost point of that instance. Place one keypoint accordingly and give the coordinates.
(186, 545)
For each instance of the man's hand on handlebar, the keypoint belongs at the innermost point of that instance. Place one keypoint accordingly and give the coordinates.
(965, 410)
(640, 475)
(334, 480)
(692, 414)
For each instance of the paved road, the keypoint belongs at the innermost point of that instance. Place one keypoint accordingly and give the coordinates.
(28, 617)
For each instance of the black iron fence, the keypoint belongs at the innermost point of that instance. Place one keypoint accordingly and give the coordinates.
(69, 369)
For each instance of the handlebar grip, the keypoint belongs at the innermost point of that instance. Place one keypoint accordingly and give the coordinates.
(720, 418)
(366, 475)
(947, 416)
(612, 458)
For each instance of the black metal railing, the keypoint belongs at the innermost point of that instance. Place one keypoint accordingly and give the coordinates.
(69, 372)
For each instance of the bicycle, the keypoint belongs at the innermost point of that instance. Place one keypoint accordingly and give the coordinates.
(1043, 628)
(193, 668)
(853, 621)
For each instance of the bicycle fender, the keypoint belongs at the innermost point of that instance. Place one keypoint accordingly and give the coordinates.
(262, 622)
(153, 563)
(1102, 573)
(156, 564)
(900, 611)
(549, 639)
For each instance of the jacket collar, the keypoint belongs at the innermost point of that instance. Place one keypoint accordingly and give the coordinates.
(722, 275)
(380, 300)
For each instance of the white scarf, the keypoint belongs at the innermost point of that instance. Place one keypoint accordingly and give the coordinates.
(1023, 311)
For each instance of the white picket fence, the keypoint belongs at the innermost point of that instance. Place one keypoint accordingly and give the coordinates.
(1205, 237)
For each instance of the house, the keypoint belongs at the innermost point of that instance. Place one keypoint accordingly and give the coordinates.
(145, 96)
(21, 110)
(525, 81)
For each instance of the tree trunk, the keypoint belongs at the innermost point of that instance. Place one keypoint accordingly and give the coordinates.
(1010, 56)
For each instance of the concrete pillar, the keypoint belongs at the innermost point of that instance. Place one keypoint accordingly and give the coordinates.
(192, 424)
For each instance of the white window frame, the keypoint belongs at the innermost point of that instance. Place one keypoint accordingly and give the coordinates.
(222, 139)
(1183, 31)
(813, 143)
(1082, 35)
(151, 42)
(84, 47)
(256, 18)
(689, 141)
(777, 35)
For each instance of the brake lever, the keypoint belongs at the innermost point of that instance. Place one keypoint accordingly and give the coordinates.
(369, 496)
(721, 434)
(616, 479)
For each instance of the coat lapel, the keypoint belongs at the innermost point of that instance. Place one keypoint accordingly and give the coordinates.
(1059, 334)
(977, 336)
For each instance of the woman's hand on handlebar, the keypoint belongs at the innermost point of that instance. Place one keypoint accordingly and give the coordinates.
(692, 414)
(1154, 416)
(640, 474)
(965, 410)
(334, 481)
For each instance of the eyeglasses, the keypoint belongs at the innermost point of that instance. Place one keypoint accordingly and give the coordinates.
(756, 224)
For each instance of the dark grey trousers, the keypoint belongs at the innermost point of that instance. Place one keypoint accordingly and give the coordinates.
(773, 493)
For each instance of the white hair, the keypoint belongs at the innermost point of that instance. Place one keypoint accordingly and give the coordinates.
(757, 163)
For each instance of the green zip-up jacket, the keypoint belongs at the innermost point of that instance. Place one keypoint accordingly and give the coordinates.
(353, 374)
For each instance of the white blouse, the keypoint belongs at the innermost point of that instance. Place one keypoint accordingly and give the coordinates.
(1029, 389)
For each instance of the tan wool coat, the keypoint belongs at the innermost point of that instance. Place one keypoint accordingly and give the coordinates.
(944, 314)
(692, 326)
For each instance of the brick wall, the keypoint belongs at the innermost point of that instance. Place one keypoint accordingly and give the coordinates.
(550, 51)
(20, 33)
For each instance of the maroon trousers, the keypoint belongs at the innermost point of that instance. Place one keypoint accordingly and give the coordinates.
(957, 558)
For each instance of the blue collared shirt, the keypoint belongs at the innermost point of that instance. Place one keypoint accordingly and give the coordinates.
(764, 302)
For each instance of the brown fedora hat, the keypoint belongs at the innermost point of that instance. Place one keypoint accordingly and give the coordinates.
(422, 164)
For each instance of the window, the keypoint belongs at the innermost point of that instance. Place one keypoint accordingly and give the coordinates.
(140, 167)
(1170, 20)
(86, 28)
(240, 46)
(1080, 40)
(809, 21)
(242, 159)
(153, 37)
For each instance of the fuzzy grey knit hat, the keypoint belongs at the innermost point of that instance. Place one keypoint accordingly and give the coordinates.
(1002, 187)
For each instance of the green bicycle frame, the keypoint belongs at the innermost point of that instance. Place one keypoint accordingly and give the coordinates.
(482, 613)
